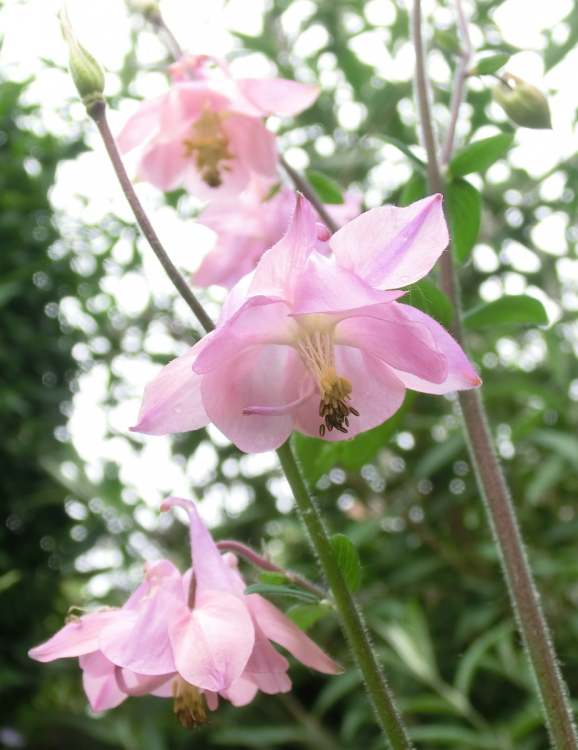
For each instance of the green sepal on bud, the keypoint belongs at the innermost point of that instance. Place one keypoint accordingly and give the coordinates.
(523, 103)
(86, 73)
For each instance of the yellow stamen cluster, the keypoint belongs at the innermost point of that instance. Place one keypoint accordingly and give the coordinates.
(190, 705)
(333, 407)
(208, 144)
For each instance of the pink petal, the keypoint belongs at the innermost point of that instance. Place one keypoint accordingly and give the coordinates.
(240, 693)
(172, 402)
(211, 571)
(341, 213)
(387, 334)
(280, 267)
(279, 628)
(163, 163)
(327, 288)
(212, 700)
(213, 642)
(377, 393)
(461, 373)
(99, 682)
(278, 95)
(266, 667)
(247, 226)
(230, 259)
(134, 684)
(392, 247)
(260, 321)
(265, 376)
(141, 125)
(75, 638)
(252, 144)
(139, 640)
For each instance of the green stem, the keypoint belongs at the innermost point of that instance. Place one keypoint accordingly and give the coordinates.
(493, 488)
(351, 618)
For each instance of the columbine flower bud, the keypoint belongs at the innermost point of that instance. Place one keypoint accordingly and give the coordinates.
(86, 73)
(523, 103)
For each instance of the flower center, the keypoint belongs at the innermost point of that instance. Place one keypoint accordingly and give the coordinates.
(190, 705)
(208, 144)
(316, 350)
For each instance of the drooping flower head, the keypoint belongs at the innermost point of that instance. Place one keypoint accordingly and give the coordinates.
(249, 224)
(314, 343)
(207, 132)
(192, 637)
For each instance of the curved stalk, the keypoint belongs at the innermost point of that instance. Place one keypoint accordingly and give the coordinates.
(493, 488)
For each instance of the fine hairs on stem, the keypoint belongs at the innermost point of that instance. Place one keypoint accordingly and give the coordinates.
(350, 616)
(491, 482)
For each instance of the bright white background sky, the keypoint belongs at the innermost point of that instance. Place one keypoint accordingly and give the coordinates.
(31, 33)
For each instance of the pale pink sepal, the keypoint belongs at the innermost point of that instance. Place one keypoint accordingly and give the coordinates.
(392, 247)
(278, 96)
(279, 628)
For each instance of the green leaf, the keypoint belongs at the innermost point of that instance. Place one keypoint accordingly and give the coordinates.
(411, 640)
(453, 735)
(473, 658)
(511, 310)
(414, 189)
(327, 189)
(490, 64)
(262, 737)
(426, 296)
(464, 209)
(563, 444)
(480, 155)
(306, 615)
(291, 592)
(348, 560)
(272, 578)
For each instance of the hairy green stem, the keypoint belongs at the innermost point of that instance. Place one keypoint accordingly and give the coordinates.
(349, 614)
(493, 488)
(351, 618)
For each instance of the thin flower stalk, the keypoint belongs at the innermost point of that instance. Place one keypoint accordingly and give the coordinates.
(493, 488)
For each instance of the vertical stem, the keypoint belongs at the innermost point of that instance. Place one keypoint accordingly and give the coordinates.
(491, 482)
(459, 86)
(351, 618)
(173, 47)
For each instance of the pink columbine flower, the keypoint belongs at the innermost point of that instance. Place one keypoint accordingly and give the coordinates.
(251, 223)
(207, 132)
(314, 343)
(193, 637)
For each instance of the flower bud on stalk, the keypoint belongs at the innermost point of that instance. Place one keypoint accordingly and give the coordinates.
(86, 73)
(523, 103)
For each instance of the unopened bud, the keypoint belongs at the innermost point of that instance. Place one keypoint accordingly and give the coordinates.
(86, 73)
(523, 103)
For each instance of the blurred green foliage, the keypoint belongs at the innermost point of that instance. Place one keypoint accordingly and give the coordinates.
(403, 494)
